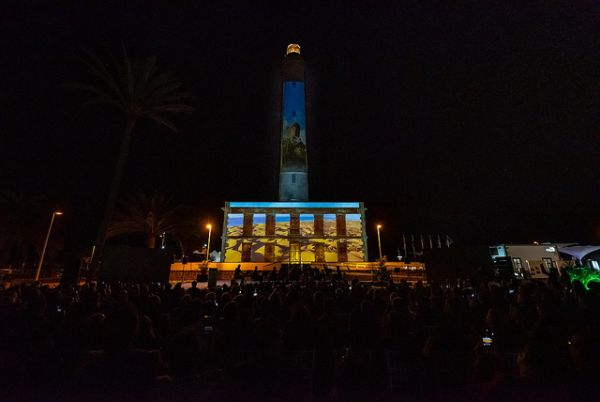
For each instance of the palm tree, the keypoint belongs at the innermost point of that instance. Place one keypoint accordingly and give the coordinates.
(150, 215)
(140, 90)
(190, 230)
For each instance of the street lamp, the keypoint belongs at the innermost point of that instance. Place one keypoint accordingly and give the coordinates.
(379, 242)
(209, 227)
(39, 267)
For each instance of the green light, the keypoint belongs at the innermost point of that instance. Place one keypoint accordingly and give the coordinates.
(584, 275)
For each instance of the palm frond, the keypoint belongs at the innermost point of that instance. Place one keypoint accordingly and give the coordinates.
(170, 108)
(136, 85)
(99, 69)
(129, 77)
(164, 121)
(145, 214)
(147, 71)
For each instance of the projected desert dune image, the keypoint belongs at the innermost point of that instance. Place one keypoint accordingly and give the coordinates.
(280, 249)
(308, 242)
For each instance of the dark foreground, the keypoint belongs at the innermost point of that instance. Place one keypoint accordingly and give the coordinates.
(308, 340)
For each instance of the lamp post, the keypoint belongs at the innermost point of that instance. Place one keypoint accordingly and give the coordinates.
(379, 242)
(209, 227)
(41, 262)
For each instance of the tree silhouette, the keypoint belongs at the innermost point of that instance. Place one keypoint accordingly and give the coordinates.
(141, 213)
(140, 90)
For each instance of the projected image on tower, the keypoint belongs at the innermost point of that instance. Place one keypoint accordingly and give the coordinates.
(293, 142)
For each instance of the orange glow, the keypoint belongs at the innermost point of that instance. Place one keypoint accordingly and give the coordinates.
(293, 48)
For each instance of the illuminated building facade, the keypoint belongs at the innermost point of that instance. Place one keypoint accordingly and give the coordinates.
(530, 260)
(294, 232)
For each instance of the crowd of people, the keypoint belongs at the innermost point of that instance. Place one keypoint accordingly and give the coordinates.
(322, 339)
(297, 273)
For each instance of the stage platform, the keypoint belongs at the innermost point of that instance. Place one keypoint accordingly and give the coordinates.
(364, 271)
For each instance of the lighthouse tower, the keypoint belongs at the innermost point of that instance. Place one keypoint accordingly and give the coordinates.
(293, 230)
(293, 165)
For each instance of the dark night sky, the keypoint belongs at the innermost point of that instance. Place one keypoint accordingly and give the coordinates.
(479, 120)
